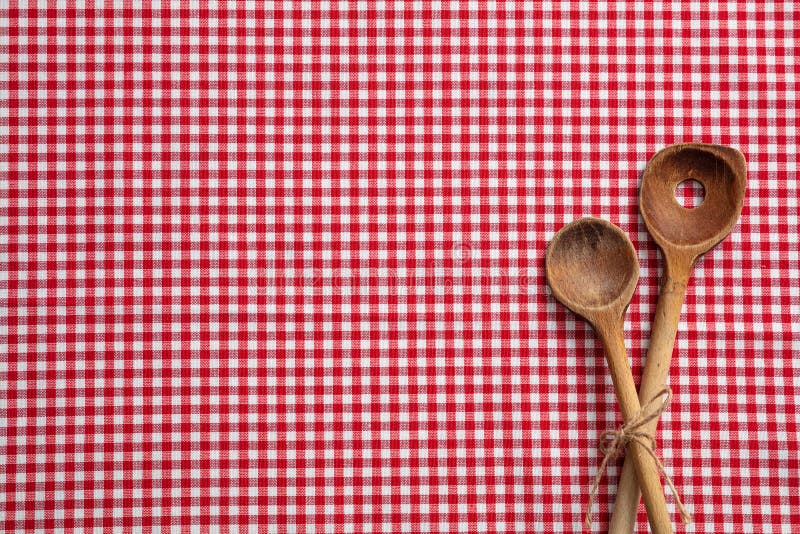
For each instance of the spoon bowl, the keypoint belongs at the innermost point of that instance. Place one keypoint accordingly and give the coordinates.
(721, 172)
(591, 266)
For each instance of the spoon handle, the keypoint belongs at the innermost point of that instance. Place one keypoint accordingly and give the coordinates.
(654, 379)
(646, 470)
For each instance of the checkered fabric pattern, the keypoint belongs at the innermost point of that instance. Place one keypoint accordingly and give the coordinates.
(280, 266)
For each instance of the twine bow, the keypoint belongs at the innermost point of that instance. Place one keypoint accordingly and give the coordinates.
(613, 442)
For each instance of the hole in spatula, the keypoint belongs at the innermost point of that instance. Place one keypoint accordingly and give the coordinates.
(690, 194)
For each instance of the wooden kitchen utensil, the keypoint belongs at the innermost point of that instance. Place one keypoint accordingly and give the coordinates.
(591, 267)
(683, 235)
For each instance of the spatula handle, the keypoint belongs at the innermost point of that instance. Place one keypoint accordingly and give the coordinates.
(646, 470)
(654, 379)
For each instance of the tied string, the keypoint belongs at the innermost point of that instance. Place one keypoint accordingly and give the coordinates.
(613, 443)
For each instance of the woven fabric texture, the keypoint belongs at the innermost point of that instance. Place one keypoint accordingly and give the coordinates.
(279, 266)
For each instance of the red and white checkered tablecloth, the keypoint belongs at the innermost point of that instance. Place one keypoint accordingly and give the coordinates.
(280, 266)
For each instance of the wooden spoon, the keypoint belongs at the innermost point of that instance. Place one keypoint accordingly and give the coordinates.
(683, 235)
(591, 267)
